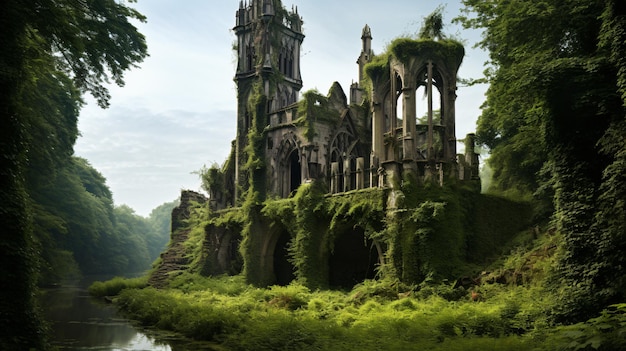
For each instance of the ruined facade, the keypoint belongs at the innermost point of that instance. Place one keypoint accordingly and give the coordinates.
(366, 141)
(332, 190)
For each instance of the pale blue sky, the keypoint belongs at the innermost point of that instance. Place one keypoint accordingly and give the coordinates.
(177, 112)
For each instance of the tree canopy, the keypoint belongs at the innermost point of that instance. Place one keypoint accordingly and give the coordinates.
(52, 51)
(554, 120)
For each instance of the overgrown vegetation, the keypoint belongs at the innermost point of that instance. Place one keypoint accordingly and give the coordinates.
(555, 121)
(53, 51)
(114, 286)
(505, 310)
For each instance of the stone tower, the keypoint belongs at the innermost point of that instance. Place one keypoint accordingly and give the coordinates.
(401, 143)
(268, 56)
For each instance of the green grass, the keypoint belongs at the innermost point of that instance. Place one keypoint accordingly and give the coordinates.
(374, 315)
(114, 286)
(243, 317)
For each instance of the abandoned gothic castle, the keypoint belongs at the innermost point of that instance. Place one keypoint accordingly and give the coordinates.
(333, 189)
(364, 142)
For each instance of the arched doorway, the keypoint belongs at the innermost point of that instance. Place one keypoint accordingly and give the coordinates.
(283, 269)
(353, 260)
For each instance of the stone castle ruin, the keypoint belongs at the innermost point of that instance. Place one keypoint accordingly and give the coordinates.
(334, 189)
(356, 144)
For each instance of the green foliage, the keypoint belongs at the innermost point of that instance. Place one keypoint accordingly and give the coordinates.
(403, 49)
(160, 222)
(293, 317)
(604, 333)
(113, 287)
(80, 231)
(52, 49)
(378, 67)
(315, 107)
(432, 28)
(555, 107)
(213, 181)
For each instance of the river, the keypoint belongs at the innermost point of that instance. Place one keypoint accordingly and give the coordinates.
(80, 322)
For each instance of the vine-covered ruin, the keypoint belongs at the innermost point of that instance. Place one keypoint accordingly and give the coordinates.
(333, 189)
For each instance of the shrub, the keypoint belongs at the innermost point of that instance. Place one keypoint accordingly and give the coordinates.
(114, 286)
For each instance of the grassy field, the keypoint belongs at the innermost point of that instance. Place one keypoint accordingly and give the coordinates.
(509, 310)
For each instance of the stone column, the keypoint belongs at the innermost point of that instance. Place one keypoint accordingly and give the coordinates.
(334, 174)
(360, 173)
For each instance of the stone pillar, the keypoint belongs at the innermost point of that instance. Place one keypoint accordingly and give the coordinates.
(373, 171)
(409, 121)
(360, 173)
(346, 174)
(409, 131)
(334, 174)
(378, 128)
(471, 158)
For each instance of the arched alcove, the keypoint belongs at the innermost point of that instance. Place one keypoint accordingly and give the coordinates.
(353, 259)
(283, 269)
(229, 253)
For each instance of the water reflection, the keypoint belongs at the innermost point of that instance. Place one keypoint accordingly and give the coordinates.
(80, 322)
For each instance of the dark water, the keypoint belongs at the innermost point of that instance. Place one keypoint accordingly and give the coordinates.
(81, 322)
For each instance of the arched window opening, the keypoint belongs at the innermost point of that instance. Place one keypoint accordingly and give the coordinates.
(295, 171)
(290, 64)
(399, 112)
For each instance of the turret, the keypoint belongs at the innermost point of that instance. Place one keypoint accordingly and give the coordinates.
(366, 37)
(356, 93)
(366, 51)
(268, 8)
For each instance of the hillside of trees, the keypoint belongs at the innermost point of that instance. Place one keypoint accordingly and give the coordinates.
(78, 230)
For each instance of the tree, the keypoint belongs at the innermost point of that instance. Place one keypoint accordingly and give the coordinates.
(160, 220)
(89, 42)
(432, 28)
(556, 102)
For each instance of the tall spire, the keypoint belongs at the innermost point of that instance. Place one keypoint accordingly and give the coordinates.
(366, 51)
(367, 32)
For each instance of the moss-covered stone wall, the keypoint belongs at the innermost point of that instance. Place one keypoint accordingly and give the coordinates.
(422, 231)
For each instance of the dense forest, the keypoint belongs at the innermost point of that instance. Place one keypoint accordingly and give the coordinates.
(57, 214)
(78, 230)
(554, 121)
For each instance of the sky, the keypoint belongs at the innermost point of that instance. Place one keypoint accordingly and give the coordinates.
(177, 111)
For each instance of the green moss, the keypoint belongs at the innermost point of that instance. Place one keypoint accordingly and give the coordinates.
(446, 50)
(312, 108)
(449, 51)
(378, 68)
(310, 232)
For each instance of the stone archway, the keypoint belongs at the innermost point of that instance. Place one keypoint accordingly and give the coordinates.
(283, 268)
(353, 259)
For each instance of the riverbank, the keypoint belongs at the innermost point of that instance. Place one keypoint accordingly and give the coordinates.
(78, 321)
